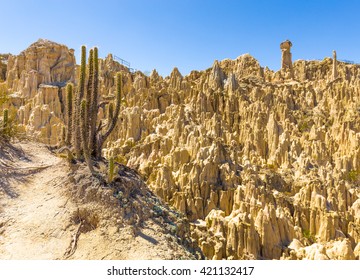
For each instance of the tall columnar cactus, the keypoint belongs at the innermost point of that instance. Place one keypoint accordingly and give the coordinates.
(89, 91)
(110, 113)
(5, 129)
(83, 132)
(111, 170)
(63, 134)
(69, 112)
(86, 134)
(94, 103)
(82, 72)
(79, 97)
(5, 118)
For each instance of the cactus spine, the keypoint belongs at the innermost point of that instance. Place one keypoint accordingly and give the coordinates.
(69, 112)
(111, 170)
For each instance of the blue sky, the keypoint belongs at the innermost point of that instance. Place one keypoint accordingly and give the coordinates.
(189, 34)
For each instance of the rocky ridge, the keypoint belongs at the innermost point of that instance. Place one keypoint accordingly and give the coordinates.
(265, 164)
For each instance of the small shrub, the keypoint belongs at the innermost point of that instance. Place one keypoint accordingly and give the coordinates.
(8, 126)
(120, 159)
(353, 176)
(272, 167)
(304, 126)
(307, 234)
(3, 94)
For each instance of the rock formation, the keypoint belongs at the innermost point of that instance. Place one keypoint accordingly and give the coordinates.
(36, 78)
(264, 166)
(286, 57)
(3, 66)
(334, 65)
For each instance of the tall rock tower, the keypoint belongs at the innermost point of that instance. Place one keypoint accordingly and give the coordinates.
(286, 60)
(334, 73)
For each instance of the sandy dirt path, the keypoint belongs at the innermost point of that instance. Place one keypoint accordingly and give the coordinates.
(37, 217)
(33, 223)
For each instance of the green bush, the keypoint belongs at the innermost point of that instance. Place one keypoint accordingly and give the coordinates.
(8, 126)
(353, 176)
(3, 94)
(304, 126)
(307, 234)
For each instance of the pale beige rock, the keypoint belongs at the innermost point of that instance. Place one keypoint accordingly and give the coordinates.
(267, 162)
(341, 250)
(357, 252)
(44, 62)
(37, 76)
(334, 66)
(286, 57)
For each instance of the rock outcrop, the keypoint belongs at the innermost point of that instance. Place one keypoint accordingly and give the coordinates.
(36, 78)
(286, 56)
(265, 164)
(3, 66)
(334, 65)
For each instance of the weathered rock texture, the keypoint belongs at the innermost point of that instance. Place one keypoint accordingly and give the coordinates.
(286, 56)
(265, 164)
(3, 66)
(257, 161)
(334, 65)
(36, 78)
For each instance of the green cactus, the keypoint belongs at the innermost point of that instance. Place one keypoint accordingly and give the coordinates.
(5, 118)
(89, 94)
(79, 96)
(69, 112)
(84, 131)
(111, 170)
(82, 72)
(110, 114)
(5, 129)
(63, 135)
(94, 102)
(115, 116)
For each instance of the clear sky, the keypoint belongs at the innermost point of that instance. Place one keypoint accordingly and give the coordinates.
(189, 34)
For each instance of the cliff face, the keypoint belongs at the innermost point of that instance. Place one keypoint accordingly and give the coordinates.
(265, 165)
